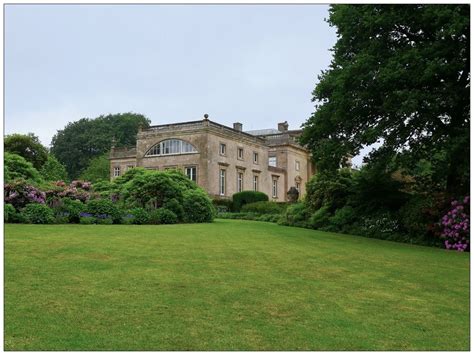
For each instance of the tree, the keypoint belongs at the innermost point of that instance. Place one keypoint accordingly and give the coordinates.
(98, 169)
(53, 170)
(16, 167)
(80, 141)
(28, 146)
(400, 76)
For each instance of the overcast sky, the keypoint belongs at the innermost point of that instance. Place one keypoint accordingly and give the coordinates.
(256, 64)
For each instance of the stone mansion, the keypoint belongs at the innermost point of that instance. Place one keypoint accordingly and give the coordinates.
(221, 159)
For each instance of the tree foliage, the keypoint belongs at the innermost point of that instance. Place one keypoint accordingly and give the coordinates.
(400, 76)
(28, 146)
(98, 169)
(16, 167)
(82, 140)
(53, 170)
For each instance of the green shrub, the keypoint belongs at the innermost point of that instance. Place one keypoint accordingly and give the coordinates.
(71, 209)
(263, 207)
(174, 206)
(343, 217)
(61, 219)
(37, 213)
(242, 198)
(296, 215)
(9, 213)
(104, 208)
(163, 216)
(87, 220)
(320, 218)
(16, 167)
(106, 220)
(197, 207)
(222, 204)
(139, 216)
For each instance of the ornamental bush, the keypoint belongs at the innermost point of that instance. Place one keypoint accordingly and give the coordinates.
(456, 226)
(343, 217)
(263, 207)
(320, 218)
(38, 214)
(242, 198)
(296, 215)
(138, 215)
(197, 207)
(174, 206)
(163, 216)
(104, 208)
(19, 193)
(8, 213)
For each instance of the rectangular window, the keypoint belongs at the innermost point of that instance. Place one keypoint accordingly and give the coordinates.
(255, 183)
(240, 182)
(255, 158)
(297, 165)
(240, 153)
(222, 182)
(275, 188)
(190, 172)
(272, 161)
(117, 171)
(222, 149)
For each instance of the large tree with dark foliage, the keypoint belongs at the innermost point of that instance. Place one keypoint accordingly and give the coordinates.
(80, 141)
(28, 146)
(400, 76)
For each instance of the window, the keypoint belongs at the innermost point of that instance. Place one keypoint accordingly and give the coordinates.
(272, 161)
(297, 165)
(222, 149)
(240, 153)
(255, 183)
(117, 171)
(222, 182)
(274, 187)
(240, 182)
(171, 146)
(298, 186)
(190, 172)
(255, 158)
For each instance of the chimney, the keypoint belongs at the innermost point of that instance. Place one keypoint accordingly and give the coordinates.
(283, 126)
(238, 126)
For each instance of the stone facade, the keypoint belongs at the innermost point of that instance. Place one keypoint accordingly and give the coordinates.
(222, 160)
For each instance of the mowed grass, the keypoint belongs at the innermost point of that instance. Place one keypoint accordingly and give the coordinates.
(229, 285)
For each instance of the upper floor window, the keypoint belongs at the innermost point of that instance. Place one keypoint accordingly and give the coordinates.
(297, 165)
(222, 149)
(255, 157)
(272, 161)
(240, 153)
(171, 146)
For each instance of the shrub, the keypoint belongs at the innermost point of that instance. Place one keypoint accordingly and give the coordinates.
(242, 198)
(295, 215)
(62, 218)
(197, 207)
(103, 219)
(71, 208)
(343, 217)
(456, 226)
(9, 213)
(53, 170)
(163, 216)
(320, 218)
(222, 204)
(19, 193)
(87, 220)
(174, 206)
(104, 208)
(138, 216)
(38, 214)
(263, 207)
(16, 167)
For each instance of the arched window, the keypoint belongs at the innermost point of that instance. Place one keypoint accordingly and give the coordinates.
(171, 146)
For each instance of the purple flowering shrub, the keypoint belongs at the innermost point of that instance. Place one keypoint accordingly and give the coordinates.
(19, 194)
(456, 226)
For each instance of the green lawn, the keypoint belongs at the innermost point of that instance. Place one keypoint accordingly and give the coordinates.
(229, 285)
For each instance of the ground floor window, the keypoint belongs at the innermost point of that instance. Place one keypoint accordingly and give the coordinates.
(190, 172)
(240, 182)
(116, 171)
(255, 183)
(298, 186)
(222, 182)
(275, 187)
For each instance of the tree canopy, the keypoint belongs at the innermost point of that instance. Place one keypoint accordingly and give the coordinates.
(399, 77)
(17, 167)
(28, 146)
(53, 170)
(82, 140)
(98, 169)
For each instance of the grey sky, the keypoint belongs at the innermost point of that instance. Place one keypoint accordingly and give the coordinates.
(256, 64)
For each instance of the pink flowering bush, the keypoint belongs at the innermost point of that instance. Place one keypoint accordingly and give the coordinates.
(19, 194)
(456, 226)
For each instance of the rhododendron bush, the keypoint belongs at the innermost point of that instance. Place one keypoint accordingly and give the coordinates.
(456, 226)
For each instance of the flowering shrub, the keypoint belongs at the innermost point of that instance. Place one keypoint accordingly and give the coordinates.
(19, 194)
(456, 226)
